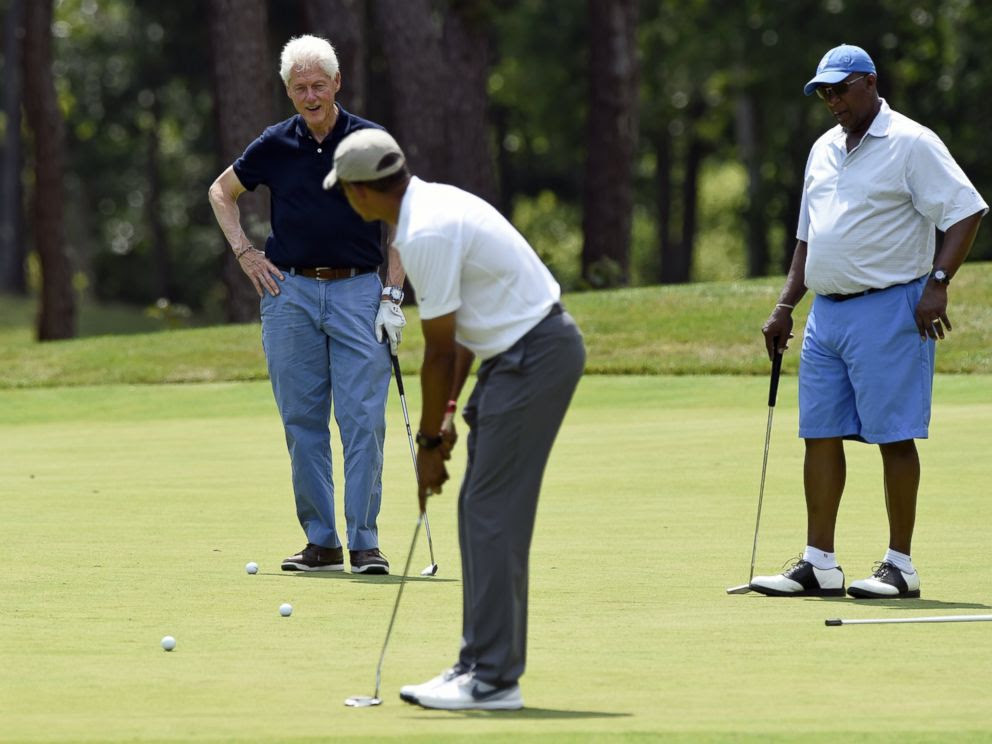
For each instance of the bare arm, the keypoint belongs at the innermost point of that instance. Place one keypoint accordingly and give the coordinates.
(395, 274)
(436, 378)
(779, 323)
(931, 310)
(223, 195)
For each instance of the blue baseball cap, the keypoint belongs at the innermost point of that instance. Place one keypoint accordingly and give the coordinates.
(837, 64)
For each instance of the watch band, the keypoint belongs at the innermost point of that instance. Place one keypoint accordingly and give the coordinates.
(393, 294)
(940, 276)
(427, 442)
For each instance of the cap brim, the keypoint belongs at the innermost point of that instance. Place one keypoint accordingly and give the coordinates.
(827, 77)
(331, 180)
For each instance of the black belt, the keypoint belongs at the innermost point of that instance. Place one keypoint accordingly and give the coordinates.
(845, 297)
(324, 273)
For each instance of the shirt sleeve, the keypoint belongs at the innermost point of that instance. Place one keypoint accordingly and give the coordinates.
(252, 168)
(940, 190)
(433, 264)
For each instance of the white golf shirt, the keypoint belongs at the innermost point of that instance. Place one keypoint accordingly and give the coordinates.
(463, 256)
(868, 215)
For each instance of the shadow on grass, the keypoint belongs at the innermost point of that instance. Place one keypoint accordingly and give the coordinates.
(533, 714)
(363, 578)
(904, 604)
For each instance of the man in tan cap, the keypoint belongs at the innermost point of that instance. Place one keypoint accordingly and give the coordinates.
(482, 291)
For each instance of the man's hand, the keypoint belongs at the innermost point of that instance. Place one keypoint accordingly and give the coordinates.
(778, 326)
(931, 312)
(390, 319)
(261, 271)
(431, 474)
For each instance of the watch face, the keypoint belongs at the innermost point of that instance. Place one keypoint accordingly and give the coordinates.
(940, 276)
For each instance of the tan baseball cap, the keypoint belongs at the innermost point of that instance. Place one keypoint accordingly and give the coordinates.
(365, 155)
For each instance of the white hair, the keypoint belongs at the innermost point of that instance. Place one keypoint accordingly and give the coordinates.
(303, 52)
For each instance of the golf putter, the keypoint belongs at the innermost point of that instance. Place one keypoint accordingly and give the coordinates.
(363, 701)
(431, 570)
(772, 394)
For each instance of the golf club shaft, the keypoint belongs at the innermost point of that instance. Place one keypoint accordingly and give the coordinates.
(935, 619)
(413, 452)
(396, 606)
(772, 395)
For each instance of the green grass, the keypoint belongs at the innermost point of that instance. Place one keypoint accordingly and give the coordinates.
(711, 328)
(128, 513)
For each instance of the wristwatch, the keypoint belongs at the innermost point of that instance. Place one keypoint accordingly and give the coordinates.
(427, 442)
(940, 276)
(393, 294)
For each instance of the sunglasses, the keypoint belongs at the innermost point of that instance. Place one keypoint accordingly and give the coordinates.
(838, 89)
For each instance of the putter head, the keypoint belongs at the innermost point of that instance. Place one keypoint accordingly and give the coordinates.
(431, 570)
(362, 701)
(742, 589)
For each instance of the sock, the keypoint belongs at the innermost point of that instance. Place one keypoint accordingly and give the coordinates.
(900, 560)
(819, 558)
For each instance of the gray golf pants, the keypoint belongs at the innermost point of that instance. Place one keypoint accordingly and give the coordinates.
(513, 416)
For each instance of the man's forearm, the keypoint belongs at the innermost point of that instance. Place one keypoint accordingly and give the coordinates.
(436, 376)
(957, 244)
(395, 274)
(228, 215)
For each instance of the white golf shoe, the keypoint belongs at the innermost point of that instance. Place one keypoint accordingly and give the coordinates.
(409, 693)
(465, 692)
(802, 579)
(887, 582)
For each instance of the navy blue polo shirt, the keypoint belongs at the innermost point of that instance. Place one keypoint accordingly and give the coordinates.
(310, 227)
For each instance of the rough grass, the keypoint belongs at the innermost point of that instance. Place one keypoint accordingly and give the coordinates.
(708, 328)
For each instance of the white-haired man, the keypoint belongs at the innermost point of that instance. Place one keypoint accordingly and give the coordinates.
(324, 309)
(482, 290)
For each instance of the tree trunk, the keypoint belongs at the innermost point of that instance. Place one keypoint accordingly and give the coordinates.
(411, 43)
(242, 79)
(470, 147)
(12, 252)
(663, 210)
(57, 315)
(611, 137)
(153, 209)
(344, 24)
(749, 145)
(690, 200)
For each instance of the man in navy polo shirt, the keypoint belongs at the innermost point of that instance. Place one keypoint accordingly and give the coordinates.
(324, 310)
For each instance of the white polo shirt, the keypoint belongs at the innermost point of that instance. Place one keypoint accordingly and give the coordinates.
(868, 215)
(462, 256)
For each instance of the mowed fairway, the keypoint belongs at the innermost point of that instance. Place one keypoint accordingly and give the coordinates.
(128, 513)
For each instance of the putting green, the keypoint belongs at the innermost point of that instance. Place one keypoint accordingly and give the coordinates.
(128, 513)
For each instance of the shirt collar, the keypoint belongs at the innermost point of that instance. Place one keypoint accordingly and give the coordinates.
(337, 131)
(879, 127)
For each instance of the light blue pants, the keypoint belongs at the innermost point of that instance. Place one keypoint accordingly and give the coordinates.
(320, 346)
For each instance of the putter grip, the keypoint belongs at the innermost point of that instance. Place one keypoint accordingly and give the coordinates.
(833, 621)
(397, 373)
(776, 373)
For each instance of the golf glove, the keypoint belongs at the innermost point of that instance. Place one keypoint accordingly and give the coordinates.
(390, 319)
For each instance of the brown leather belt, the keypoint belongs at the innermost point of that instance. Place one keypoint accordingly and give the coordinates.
(324, 273)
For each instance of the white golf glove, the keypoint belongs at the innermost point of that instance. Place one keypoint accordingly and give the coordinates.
(391, 319)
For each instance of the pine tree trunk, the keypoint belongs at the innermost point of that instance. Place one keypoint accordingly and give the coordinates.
(242, 79)
(611, 138)
(344, 24)
(470, 146)
(12, 279)
(411, 42)
(57, 315)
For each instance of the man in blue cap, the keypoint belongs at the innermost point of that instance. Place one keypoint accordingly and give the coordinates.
(875, 187)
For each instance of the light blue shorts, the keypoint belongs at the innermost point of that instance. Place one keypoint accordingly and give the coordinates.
(864, 372)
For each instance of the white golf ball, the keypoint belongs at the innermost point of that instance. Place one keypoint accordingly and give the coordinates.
(251, 567)
(285, 609)
(168, 643)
